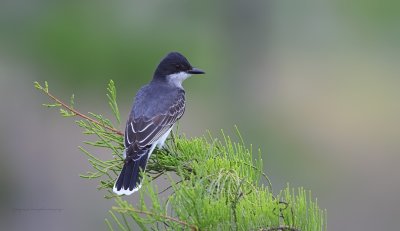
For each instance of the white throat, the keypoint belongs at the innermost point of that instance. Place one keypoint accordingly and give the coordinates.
(177, 79)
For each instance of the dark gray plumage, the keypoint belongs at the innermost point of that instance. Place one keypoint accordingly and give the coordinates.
(158, 106)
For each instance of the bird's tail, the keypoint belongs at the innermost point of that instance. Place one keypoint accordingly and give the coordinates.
(130, 178)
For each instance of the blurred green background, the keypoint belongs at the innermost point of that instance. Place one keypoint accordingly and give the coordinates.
(315, 85)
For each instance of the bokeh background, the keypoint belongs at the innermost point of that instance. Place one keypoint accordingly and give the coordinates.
(314, 84)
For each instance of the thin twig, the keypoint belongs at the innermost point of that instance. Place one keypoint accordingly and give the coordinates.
(169, 187)
(157, 176)
(281, 228)
(192, 227)
(262, 173)
(81, 114)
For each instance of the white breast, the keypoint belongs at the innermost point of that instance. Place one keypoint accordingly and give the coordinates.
(177, 79)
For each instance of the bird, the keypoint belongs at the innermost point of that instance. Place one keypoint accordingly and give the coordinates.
(157, 107)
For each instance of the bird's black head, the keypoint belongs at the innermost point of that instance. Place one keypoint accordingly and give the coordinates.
(175, 63)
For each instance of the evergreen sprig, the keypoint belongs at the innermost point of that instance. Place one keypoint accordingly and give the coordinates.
(218, 184)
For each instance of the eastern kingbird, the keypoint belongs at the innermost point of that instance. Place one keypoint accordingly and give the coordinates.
(158, 106)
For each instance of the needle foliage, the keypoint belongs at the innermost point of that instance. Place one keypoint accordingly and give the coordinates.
(215, 183)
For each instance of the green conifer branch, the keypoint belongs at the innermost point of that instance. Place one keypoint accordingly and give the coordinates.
(68, 110)
(220, 184)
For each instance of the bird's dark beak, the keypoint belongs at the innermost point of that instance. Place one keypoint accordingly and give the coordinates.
(195, 71)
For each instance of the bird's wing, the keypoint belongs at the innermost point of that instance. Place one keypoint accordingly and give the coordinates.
(142, 132)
